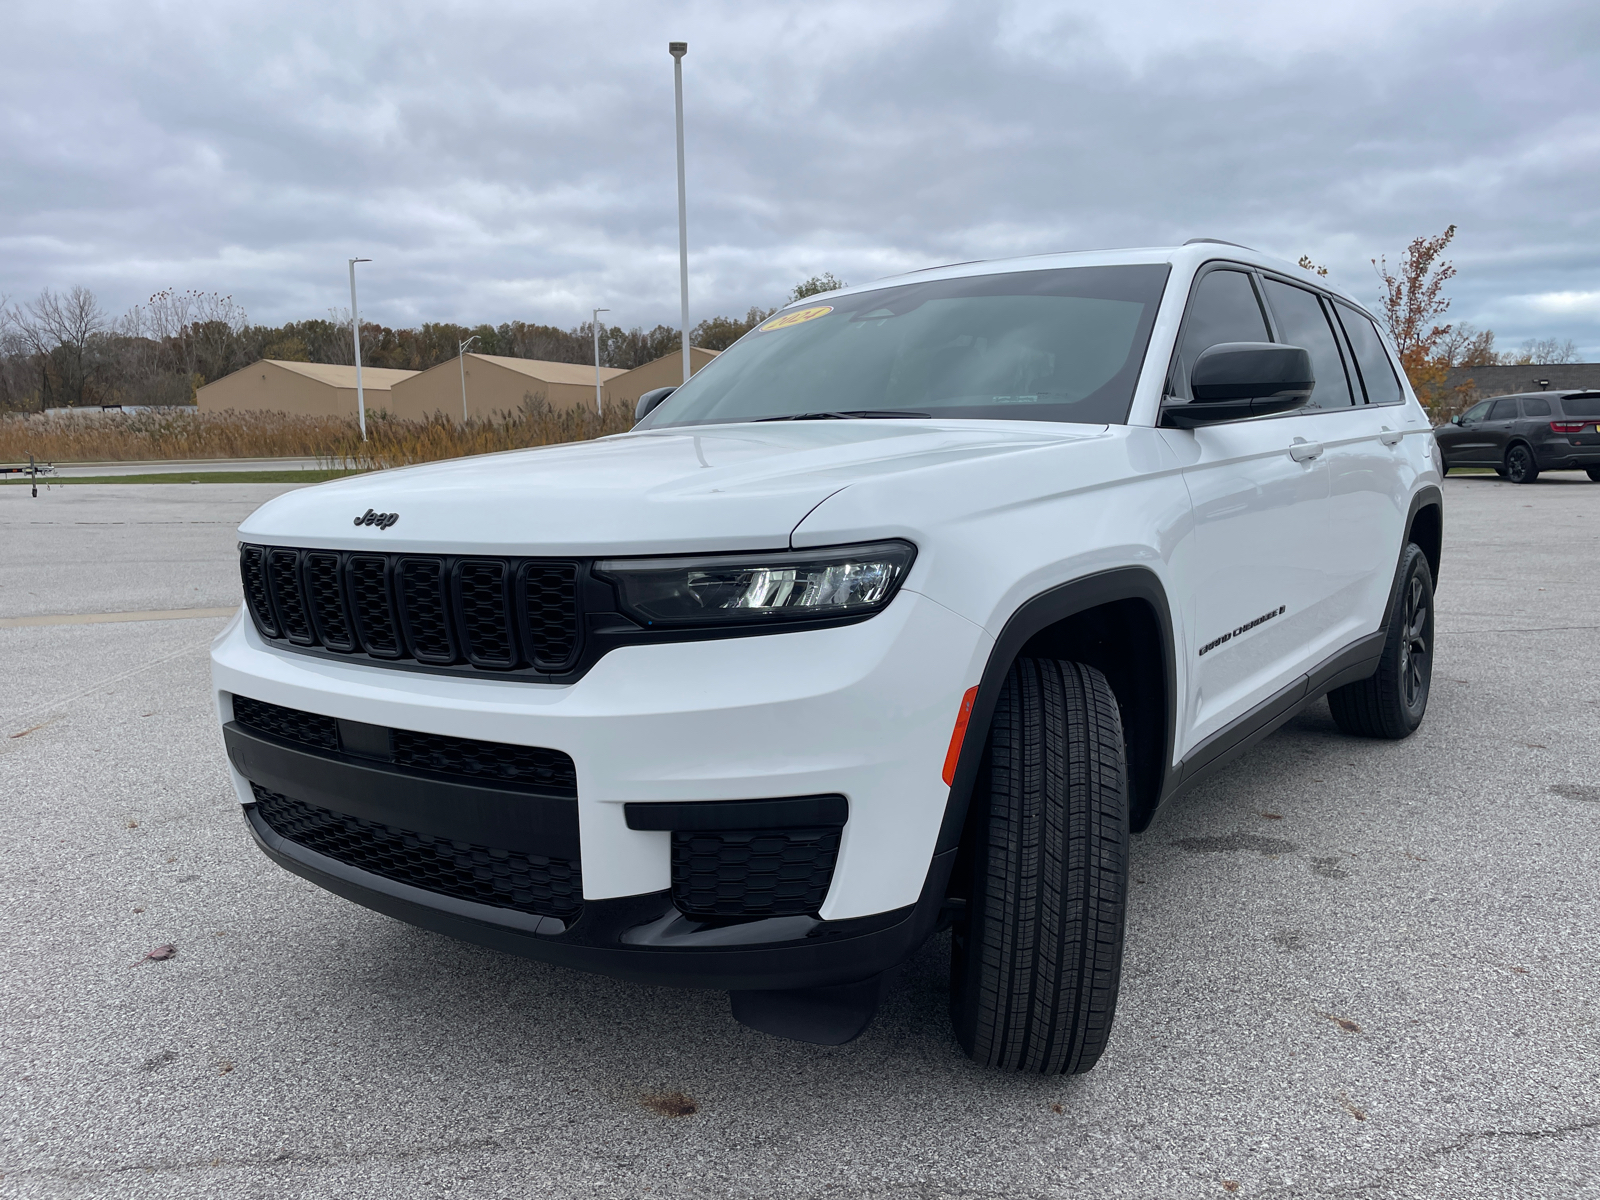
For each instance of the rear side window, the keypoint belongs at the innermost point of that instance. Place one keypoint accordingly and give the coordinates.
(1303, 323)
(1377, 372)
(1223, 308)
(1536, 406)
(1581, 406)
(1503, 410)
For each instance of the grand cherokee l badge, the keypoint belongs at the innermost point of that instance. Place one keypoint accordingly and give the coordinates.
(381, 520)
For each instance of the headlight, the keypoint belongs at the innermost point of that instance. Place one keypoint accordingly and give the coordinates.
(746, 589)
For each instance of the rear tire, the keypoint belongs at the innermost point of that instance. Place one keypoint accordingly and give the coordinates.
(1393, 701)
(1038, 956)
(1593, 473)
(1520, 465)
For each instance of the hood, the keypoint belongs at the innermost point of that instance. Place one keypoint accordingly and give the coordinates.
(714, 487)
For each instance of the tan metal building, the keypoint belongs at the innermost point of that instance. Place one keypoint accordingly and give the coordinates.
(313, 389)
(628, 386)
(496, 384)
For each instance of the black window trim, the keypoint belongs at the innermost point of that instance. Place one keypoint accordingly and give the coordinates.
(1334, 302)
(1257, 282)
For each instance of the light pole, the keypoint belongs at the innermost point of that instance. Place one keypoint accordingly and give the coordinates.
(461, 357)
(595, 321)
(678, 50)
(355, 333)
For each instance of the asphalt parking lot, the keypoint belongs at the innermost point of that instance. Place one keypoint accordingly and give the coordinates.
(1353, 969)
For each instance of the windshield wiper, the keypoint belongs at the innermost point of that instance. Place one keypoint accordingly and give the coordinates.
(848, 414)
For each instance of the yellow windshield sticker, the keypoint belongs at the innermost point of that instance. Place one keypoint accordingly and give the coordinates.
(798, 317)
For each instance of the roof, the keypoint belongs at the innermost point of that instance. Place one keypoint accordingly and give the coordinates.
(377, 378)
(1190, 254)
(549, 372)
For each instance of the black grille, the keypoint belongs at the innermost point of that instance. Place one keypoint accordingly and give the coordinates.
(491, 614)
(283, 577)
(550, 612)
(289, 724)
(532, 883)
(532, 766)
(253, 570)
(373, 605)
(325, 595)
(485, 624)
(760, 873)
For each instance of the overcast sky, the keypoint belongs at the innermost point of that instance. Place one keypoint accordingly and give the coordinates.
(502, 161)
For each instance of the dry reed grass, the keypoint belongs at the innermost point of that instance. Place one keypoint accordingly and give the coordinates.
(333, 441)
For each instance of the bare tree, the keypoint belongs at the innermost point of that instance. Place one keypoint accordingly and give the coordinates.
(1544, 350)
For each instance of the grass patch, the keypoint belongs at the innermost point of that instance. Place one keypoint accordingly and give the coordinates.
(193, 477)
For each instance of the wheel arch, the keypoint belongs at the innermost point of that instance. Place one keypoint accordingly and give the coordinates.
(1425, 526)
(1118, 621)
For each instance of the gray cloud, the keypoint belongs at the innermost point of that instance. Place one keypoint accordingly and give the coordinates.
(499, 162)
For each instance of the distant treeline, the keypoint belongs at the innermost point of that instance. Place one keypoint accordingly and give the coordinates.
(61, 350)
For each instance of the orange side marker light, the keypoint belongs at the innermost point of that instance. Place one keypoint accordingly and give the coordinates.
(958, 735)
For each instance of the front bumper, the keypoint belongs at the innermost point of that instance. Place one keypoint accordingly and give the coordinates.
(862, 711)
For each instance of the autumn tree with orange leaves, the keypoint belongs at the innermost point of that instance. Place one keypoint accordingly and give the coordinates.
(1413, 301)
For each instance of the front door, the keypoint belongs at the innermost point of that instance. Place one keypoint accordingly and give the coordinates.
(1256, 577)
(1465, 442)
(1497, 430)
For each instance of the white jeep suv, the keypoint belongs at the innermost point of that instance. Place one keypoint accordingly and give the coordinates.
(897, 618)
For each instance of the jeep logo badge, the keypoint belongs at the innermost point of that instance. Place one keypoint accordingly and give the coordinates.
(381, 520)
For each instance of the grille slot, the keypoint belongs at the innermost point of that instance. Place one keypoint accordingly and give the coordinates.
(530, 766)
(253, 573)
(283, 576)
(753, 873)
(289, 724)
(330, 616)
(424, 611)
(485, 627)
(374, 608)
(485, 614)
(548, 593)
(532, 883)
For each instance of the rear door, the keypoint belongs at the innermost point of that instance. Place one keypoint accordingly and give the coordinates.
(1256, 583)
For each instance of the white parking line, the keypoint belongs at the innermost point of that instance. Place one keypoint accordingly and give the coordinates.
(160, 614)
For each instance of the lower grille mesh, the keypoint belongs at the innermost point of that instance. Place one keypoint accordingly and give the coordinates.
(531, 883)
(290, 724)
(760, 873)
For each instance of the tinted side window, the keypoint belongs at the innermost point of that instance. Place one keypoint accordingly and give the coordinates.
(1581, 406)
(1476, 413)
(1377, 372)
(1504, 410)
(1223, 308)
(1302, 322)
(1535, 407)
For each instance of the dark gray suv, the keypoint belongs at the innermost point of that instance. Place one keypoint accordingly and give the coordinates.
(1519, 436)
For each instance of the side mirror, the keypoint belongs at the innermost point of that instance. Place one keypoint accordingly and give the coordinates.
(649, 401)
(1456, 420)
(1234, 380)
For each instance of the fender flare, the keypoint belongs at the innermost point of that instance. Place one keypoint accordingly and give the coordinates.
(1033, 616)
(1428, 496)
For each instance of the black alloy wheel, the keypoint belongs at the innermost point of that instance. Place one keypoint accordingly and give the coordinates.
(1520, 467)
(1037, 952)
(1393, 700)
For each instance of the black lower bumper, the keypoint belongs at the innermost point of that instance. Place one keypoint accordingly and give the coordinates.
(643, 938)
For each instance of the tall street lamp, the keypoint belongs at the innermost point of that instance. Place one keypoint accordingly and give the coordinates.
(678, 50)
(461, 357)
(355, 333)
(595, 321)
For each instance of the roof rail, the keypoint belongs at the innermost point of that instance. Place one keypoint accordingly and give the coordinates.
(1220, 242)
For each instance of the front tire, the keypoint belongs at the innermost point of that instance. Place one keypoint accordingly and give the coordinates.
(1520, 465)
(1392, 702)
(1038, 956)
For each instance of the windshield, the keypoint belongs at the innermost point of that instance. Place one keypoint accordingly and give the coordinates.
(1062, 345)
